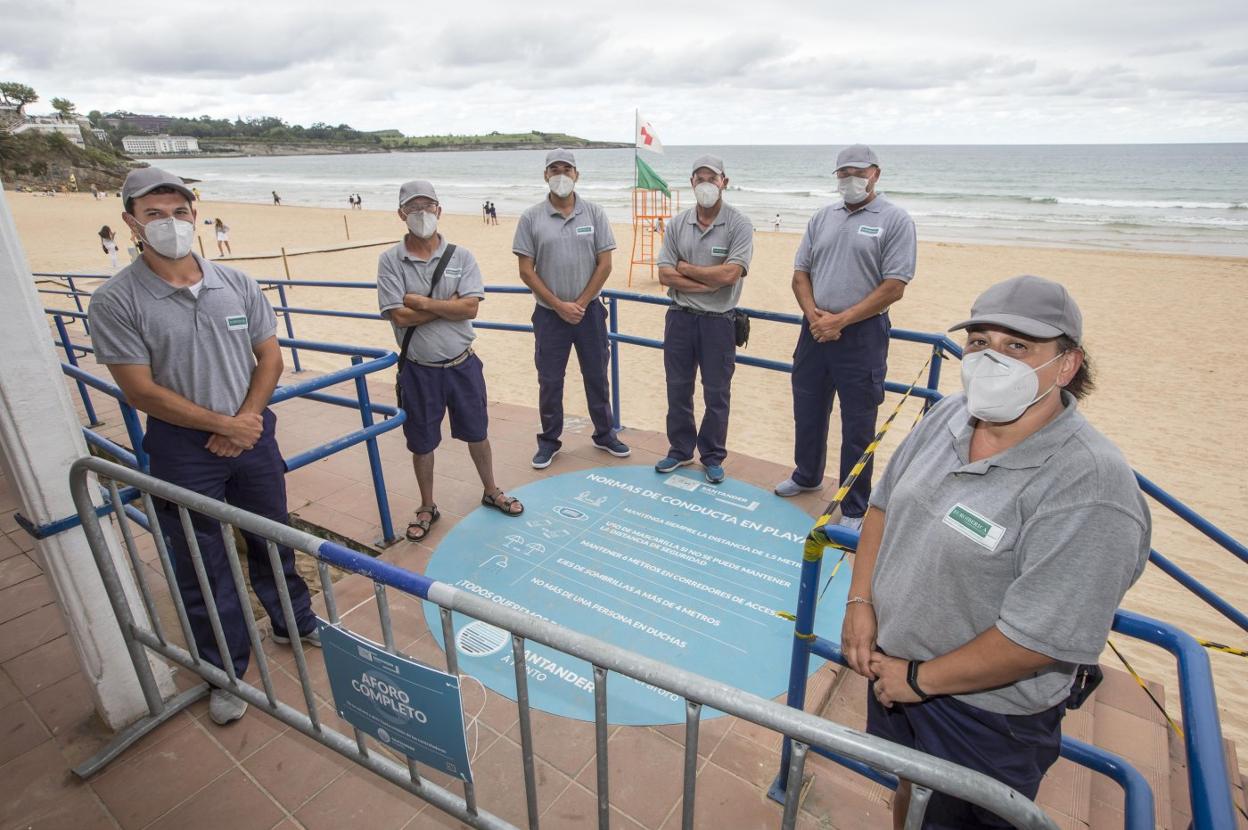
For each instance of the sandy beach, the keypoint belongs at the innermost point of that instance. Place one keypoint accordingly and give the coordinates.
(1172, 387)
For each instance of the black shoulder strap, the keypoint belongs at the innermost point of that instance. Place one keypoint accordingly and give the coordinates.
(433, 285)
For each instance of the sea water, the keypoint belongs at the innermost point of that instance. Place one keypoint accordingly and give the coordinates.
(1186, 198)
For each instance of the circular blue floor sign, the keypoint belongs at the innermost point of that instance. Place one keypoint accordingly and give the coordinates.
(669, 566)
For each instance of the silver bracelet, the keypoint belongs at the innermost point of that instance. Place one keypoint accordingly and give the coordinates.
(863, 600)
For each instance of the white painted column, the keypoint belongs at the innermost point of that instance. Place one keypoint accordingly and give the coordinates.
(40, 436)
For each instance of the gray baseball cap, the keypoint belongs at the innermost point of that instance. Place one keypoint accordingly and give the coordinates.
(713, 162)
(560, 154)
(416, 187)
(1029, 305)
(857, 155)
(146, 179)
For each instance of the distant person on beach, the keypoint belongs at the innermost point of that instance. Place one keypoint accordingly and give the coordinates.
(776, 223)
(195, 190)
(429, 290)
(564, 246)
(853, 263)
(485, 213)
(493, 214)
(277, 200)
(193, 345)
(705, 255)
(223, 238)
(999, 543)
(108, 241)
(359, 202)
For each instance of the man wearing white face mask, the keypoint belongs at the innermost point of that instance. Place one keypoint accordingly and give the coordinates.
(429, 290)
(192, 343)
(564, 246)
(997, 547)
(853, 263)
(706, 253)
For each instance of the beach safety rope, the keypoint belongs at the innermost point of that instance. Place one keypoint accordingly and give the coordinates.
(1222, 647)
(818, 540)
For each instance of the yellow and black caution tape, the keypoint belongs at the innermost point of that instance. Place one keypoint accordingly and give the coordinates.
(1222, 647)
(816, 542)
(1177, 729)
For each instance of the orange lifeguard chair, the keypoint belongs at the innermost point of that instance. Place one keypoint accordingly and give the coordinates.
(652, 207)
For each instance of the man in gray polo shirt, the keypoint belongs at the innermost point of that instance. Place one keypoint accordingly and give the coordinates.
(854, 261)
(192, 344)
(438, 371)
(998, 545)
(564, 246)
(706, 253)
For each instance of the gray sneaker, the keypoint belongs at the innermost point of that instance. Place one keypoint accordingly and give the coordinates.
(224, 707)
(789, 488)
(313, 639)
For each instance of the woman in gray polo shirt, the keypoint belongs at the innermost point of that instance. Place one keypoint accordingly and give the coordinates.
(994, 553)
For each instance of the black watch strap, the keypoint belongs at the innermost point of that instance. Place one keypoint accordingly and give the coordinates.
(912, 677)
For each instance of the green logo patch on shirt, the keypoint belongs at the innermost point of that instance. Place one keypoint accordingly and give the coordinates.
(236, 323)
(979, 529)
(867, 230)
(719, 251)
(584, 229)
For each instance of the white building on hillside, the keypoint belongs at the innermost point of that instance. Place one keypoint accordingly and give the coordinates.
(52, 124)
(159, 145)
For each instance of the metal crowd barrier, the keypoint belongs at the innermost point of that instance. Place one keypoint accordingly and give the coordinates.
(1208, 784)
(149, 636)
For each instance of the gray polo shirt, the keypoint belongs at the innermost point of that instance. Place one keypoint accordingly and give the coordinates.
(399, 273)
(848, 254)
(564, 249)
(200, 347)
(1041, 541)
(729, 239)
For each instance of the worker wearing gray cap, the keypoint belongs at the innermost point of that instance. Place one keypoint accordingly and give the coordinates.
(564, 245)
(853, 263)
(192, 343)
(706, 254)
(429, 290)
(997, 547)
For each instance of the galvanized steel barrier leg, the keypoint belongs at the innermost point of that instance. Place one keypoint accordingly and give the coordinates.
(693, 714)
(526, 729)
(600, 747)
(919, 796)
(374, 458)
(452, 667)
(292, 631)
(793, 792)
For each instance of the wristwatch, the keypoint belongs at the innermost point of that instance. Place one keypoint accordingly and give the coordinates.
(912, 677)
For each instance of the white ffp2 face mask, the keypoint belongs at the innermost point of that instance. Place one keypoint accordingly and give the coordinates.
(707, 194)
(422, 224)
(169, 237)
(1000, 388)
(853, 189)
(561, 185)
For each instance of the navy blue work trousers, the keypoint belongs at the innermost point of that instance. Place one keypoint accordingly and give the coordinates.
(851, 368)
(554, 339)
(1014, 749)
(695, 343)
(254, 481)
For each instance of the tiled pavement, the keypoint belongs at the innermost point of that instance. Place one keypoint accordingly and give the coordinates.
(259, 774)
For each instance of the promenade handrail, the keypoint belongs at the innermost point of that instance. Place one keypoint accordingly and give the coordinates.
(698, 691)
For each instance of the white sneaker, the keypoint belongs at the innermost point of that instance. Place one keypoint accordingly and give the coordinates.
(224, 707)
(851, 522)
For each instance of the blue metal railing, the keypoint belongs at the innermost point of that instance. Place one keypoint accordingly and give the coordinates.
(364, 361)
(940, 344)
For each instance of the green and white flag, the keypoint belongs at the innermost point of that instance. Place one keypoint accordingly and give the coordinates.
(647, 179)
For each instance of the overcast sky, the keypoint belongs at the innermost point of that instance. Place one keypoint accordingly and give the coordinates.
(727, 72)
